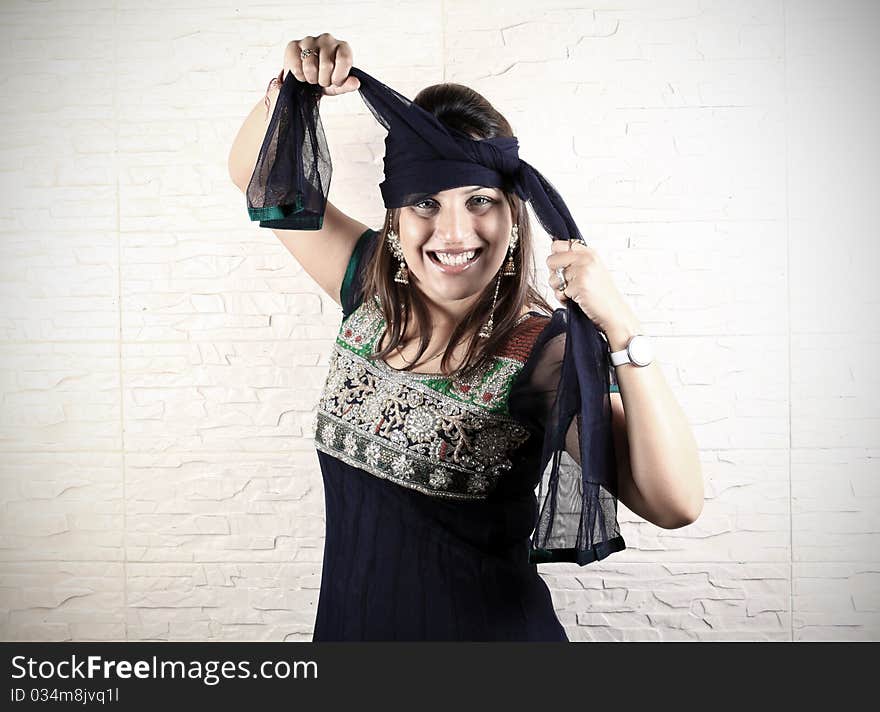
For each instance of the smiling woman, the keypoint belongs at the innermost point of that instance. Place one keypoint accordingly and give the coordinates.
(453, 245)
(430, 475)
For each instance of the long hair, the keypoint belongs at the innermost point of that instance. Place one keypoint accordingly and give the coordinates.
(461, 108)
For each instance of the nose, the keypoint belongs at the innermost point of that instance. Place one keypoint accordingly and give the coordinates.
(454, 223)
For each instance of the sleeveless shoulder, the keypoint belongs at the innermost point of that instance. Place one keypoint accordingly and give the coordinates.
(534, 391)
(352, 284)
(524, 336)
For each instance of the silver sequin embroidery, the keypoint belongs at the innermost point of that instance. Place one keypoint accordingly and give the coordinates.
(426, 432)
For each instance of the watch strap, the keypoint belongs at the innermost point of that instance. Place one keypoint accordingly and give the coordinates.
(621, 357)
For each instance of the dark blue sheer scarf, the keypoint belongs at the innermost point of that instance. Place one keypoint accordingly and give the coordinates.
(577, 519)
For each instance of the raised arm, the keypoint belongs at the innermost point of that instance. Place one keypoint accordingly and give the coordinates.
(323, 253)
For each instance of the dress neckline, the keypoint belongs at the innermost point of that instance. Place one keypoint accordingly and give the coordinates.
(421, 375)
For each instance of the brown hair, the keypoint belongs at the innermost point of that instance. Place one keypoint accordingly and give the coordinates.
(463, 109)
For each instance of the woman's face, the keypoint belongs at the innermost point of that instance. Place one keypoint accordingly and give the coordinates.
(439, 233)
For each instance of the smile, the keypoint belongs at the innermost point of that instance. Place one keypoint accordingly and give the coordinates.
(450, 263)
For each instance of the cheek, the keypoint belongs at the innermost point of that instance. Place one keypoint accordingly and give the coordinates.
(411, 242)
(495, 255)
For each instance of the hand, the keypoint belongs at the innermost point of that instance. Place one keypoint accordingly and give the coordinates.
(329, 67)
(590, 286)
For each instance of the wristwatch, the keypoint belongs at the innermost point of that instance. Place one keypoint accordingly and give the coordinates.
(639, 351)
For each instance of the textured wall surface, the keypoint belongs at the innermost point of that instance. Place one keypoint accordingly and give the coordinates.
(161, 356)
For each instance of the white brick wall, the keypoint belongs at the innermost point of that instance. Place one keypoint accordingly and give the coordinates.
(161, 356)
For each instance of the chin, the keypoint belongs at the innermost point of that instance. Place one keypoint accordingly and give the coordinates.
(459, 294)
(452, 292)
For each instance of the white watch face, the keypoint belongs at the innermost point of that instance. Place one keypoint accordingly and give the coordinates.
(640, 351)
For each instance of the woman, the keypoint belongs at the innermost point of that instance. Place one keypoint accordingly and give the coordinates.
(442, 383)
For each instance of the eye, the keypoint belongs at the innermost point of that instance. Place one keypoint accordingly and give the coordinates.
(430, 204)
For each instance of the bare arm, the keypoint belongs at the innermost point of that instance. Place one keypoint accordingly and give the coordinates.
(246, 146)
(661, 478)
(324, 253)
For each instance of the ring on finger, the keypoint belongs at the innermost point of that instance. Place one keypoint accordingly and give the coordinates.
(563, 282)
(306, 52)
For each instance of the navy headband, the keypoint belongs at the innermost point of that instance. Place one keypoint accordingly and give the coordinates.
(288, 190)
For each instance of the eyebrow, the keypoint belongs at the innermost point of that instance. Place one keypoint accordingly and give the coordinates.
(472, 190)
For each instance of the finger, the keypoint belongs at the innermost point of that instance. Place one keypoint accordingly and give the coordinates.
(293, 62)
(344, 61)
(558, 256)
(579, 247)
(310, 63)
(554, 280)
(554, 283)
(350, 84)
(564, 258)
(326, 60)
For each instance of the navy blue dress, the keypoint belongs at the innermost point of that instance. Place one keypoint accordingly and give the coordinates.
(429, 491)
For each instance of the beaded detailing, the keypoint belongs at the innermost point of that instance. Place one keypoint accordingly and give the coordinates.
(432, 433)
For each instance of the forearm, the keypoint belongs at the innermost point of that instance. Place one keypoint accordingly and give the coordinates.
(662, 451)
(249, 140)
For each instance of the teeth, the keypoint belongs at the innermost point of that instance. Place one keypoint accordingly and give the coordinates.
(459, 259)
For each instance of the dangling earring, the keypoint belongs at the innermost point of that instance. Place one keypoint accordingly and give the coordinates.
(402, 276)
(510, 267)
(509, 271)
(486, 329)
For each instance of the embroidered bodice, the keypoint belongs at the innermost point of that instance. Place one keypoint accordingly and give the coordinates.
(432, 433)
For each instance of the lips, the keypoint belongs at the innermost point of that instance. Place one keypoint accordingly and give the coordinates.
(454, 269)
